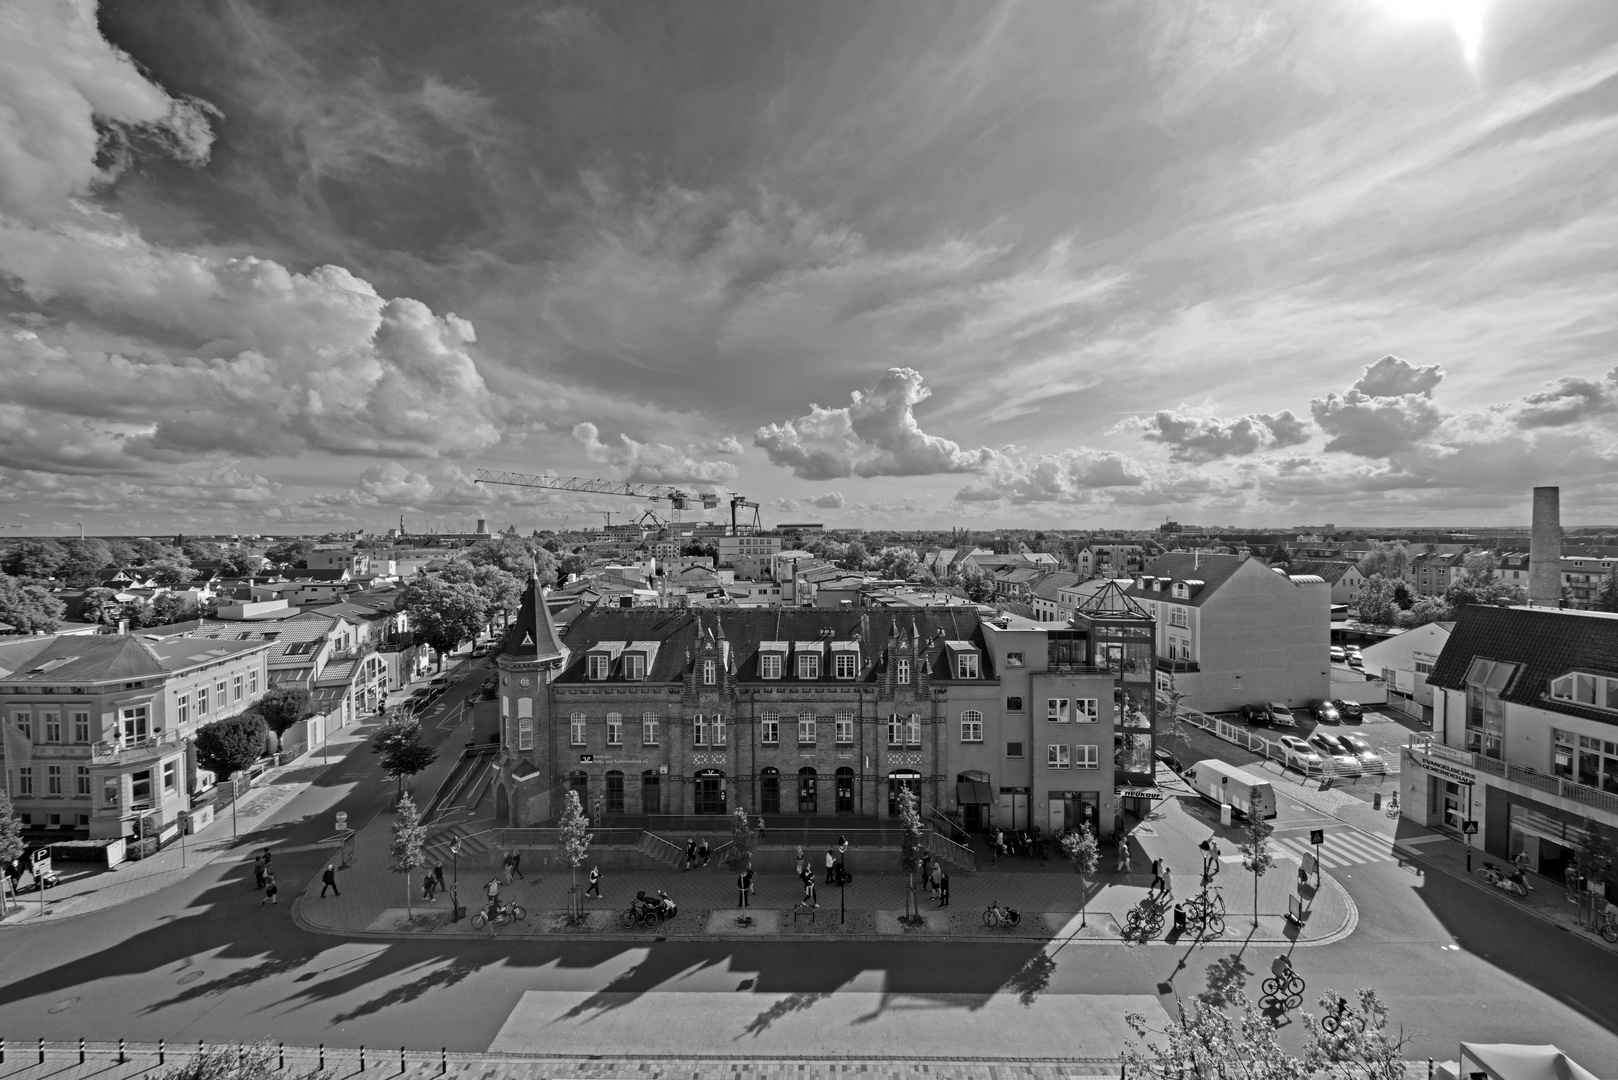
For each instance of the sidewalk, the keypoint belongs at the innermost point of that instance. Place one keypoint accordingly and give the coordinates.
(91, 890)
(373, 899)
(1546, 899)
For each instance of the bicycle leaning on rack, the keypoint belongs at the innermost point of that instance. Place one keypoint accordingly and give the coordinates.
(1145, 919)
(1205, 914)
(504, 913)
(1393, 805)
(995, 915)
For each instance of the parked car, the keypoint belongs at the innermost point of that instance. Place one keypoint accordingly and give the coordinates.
(1343, 763)
(1297, 754)
(441, 683)
(1281, 715)
(1370, 760)
(1255, 714)
(1325, 712)
(1338, 654)
(1355, 660)
(1349, 710)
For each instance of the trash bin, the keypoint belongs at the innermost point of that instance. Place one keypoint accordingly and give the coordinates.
(1376, 800)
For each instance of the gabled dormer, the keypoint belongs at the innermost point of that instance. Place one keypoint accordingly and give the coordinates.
(845, 660)
(809, 660)
(600, 658)
(772, 659)
(965, 660)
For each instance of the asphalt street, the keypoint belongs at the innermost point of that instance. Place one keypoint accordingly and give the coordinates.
(204, 959)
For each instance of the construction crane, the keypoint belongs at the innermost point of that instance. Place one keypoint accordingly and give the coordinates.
(677, 498)
(757, 526)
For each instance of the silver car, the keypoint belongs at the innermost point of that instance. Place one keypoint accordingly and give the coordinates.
(1342, 762)
(1370, 761)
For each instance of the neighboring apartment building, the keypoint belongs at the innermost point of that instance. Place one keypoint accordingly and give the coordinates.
(1047, 596)
(1345, 579)
(746, 545)
(357, 563)
(1432, 575)
(1404, 661)
(1232, 631)
(1104, 559)
(100, 731)
(1525, 733)
(826, 713)
(1583, 578)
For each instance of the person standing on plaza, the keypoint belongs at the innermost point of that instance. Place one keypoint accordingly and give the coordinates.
(943, 888)
(505, 865)
(258, 872)
(702, 852)
(937, 879)
(438, 874)
(809, 899)
(516, 865)
(271, 890)
(744, 887)
(761, 828)
(492, 889)
(427, 885)
(926, 867)
(595, 883)
(690, 852)
(831, 865)
(328, 880)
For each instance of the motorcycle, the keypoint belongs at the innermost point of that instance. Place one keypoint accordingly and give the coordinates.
(1515, 883)
(666, 906)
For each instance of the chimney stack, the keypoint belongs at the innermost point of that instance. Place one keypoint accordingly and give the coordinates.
(1545, 549)
(483, 525)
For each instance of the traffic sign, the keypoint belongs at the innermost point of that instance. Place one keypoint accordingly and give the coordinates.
(1317, 836)
(1469, 827)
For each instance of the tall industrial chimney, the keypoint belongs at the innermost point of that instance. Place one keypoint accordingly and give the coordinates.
(1545, 549)
(483, 523)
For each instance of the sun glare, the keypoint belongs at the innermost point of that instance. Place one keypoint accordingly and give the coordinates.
(1466, 16)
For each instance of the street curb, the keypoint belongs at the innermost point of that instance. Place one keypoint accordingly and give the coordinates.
(1578, 931)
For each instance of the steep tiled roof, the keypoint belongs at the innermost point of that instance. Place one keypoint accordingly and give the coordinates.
(1047, 588)
(1189, 567)
(181, 653)
(79, 659)
(1544, 642)
(533, 635)
(676, 630)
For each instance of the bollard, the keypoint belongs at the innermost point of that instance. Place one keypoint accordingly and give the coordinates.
(2, 1051)
(241, 1056)
(42, 1051)
(401, 1061)
(323, 1057)
(443, 1060)
(199, 1048)
(120, 1051)
(280, 1055)
(162, 1052)
(362, 1057)
(81, 1050)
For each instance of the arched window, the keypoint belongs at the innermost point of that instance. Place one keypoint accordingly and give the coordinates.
(769, 790)
(808, 790)
(575, 723)
(806, 729)
(971, 726)
(769, 728)
(615, 792)
(710, 673)
(845, 790)
(615, 729)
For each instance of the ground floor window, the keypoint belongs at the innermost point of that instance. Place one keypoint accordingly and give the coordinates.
(808, 791)
(651, 793)
(615, 792)
(769, 791)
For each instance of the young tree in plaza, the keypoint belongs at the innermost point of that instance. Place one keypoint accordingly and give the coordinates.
(573, 840)
(743, 841)
(910, 848)
(403, 753)
(1082, 848)
(408, 851)
(1257, 858)
(11, 843)
(1596, 855)
(230, 745)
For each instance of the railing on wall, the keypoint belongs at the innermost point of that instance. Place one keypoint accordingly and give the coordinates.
(1420, 750)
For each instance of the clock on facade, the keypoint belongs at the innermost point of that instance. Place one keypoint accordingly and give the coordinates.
(523, 682)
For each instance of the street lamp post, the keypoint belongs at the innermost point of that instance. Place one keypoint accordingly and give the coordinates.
(455, 882)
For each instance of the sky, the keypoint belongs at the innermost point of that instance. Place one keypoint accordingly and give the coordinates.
(299, 267)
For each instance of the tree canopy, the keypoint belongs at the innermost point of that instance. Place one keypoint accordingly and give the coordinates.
(445, 613)
(30, 608)
(283, 706)
(403, 753)
(227, 746)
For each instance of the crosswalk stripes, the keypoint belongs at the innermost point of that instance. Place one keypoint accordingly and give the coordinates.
(1345, 848)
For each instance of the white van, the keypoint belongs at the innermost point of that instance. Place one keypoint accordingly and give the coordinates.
(1248, 793)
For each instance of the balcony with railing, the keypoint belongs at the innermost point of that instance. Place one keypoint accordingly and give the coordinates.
(1420, 752)
(1177, 666)
(129, 751)
(396, 643)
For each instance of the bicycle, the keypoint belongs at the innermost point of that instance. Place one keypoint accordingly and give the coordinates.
(639, 914)
(1293, 985)
(1609, 924)
(1334, 1020)
(1206, 915)
(995, 915)
(1393, 807)
(1145, 919)
(504, 914)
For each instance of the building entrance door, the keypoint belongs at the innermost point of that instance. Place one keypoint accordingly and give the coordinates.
(1013, 809)
(710, 792)
(769, 791)
(845, 790)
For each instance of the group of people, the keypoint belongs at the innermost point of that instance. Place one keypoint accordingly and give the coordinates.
(264, 879)
(695, 851)
(1024, 842)
(936, 877)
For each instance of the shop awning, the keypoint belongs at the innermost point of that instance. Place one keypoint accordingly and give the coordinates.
(972, 793)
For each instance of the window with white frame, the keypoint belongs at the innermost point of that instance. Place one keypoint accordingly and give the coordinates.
(1013, 659)
(252, 682)
(808, 665)
(648, 729)
(635, 666)
(525, 733)
(615, 729)
(219, 689)
(1086, 756)
(25, 780)
(171, 776)
(576, 727)
(901, 671)
(847, 664)
(52, 723)
(53, 779)
(710, 673)
(913, 730)
(845, 728)
(1086, 710)
(806, 729)
(966, 666)
(202, 701)
(182, 708)
(1178, 617)
(699, 730)
(896, 730)
(81, 727)
(81, 778)
(769, 665)
(972, 726)
(597, 665)
(1056, 710)
(133, 723)
(1581, 688)
(769, 728)
(1058, 756)
(718, 731)
(236, 688)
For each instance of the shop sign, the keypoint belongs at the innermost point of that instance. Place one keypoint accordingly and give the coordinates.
(1449, 772)
(1451, 753)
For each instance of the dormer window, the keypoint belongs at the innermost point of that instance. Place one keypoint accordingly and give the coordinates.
(847, 664)
(769, 665)
(710, 673)
(966, 666)
(1579, 688)
(808, 665)
(635, 666)
(901, 672)
(1181, 592)
(597, 666)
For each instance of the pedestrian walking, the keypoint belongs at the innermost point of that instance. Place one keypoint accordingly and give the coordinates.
(943, 889)
(1522, 861)
(744, 887)
(271, 890)
(266, 853)
(516, 865)
(1157, 877)
(690, 852)
(492, 891)
(328, 880)
(831, 865)
(926, 867)
(761, 828)
(595, 883)
(702, 851)
(937, 878)
(1126, 861)
(427, 885)
(1168, 882)
(1570, 878)
(505, 865)
(800, 866)
(999, 842)
(438, 874)
(258, 872)
(809, 896)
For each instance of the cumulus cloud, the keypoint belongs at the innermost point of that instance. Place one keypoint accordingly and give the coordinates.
(1205, 438)
(876, 434)
(652, 463)
(73, 102)
(1389, 408)
(1568, 401)
(831, 500)
(1070, 475)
